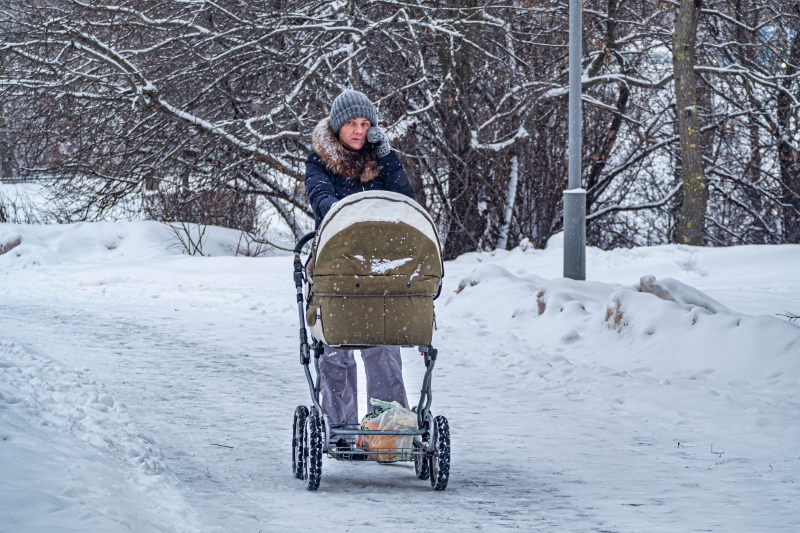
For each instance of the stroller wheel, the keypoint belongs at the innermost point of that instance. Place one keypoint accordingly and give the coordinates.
(298, 440)
(312, 452)
(439, 460)
(420, 461)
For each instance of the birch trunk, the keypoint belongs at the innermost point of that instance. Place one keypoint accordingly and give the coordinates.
(511, 198)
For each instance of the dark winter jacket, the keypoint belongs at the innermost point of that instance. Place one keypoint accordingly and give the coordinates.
(334, 172)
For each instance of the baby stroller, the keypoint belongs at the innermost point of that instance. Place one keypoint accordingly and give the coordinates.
(373, 251)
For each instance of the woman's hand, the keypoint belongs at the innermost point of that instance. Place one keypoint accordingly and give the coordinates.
(379, 141)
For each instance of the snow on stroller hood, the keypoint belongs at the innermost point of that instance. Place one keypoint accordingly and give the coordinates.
(382, 206)
(381, 266)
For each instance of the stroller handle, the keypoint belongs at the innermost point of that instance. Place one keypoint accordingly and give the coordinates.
(303, 240)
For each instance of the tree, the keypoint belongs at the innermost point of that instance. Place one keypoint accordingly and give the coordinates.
(789, 154)
(125, 105)
(691, 224)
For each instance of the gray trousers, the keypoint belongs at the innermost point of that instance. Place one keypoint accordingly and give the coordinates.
(384, 369)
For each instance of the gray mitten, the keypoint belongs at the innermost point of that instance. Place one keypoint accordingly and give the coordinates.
(377, 138)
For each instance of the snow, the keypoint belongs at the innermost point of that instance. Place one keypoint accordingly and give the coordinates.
(377, 206)
(73, 459)
(382, 266)
(101, 242)
(142, 389)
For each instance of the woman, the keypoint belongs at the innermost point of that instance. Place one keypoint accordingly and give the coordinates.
(352, 155)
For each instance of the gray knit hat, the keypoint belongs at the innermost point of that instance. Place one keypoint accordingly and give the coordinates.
(350, 105)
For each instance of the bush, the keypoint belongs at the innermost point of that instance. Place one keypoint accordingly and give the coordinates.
(225, 208)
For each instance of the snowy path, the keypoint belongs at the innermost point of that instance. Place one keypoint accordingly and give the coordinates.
(545, 437)
(235, 389)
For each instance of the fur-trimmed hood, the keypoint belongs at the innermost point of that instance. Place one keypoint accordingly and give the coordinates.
(351, 165)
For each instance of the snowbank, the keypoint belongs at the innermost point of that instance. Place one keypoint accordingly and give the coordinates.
(73, 459)
(673, 327)
(659, 395)
(99, 242)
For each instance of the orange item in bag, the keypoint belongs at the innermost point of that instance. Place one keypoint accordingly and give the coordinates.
(398, 447)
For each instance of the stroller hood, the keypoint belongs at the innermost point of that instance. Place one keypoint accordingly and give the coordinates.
(377, 233)
(377, 266)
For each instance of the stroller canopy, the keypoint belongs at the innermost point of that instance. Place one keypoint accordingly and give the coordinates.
(377, 267)
(378, 233)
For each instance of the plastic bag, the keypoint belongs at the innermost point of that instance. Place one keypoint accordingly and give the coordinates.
(389, 415)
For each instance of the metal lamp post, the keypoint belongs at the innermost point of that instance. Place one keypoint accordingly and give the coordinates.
(574, 195)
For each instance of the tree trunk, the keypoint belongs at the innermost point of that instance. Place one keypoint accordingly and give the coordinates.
(787, 153)
(511, 198)
(691, 224)
(6, 161)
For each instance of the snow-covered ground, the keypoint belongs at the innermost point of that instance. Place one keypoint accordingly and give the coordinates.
(145, 390)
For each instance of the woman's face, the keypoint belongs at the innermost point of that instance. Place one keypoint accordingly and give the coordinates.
(354, 133)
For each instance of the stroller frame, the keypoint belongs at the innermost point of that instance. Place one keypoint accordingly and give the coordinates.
(430, 453)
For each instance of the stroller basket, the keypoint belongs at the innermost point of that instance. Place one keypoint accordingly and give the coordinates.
(379, 453)
(362, 455)
(377, 268)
